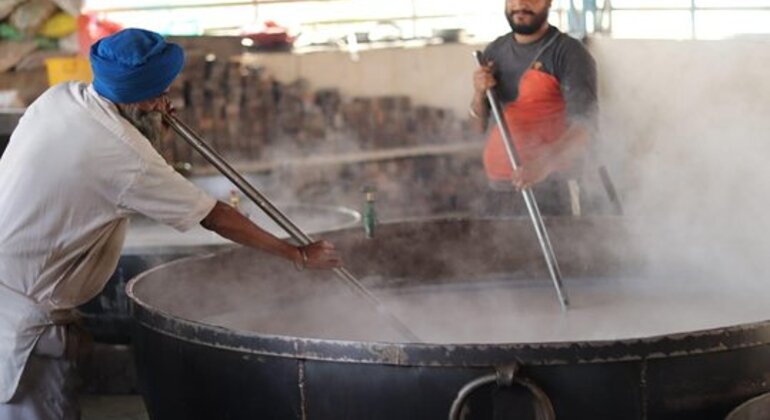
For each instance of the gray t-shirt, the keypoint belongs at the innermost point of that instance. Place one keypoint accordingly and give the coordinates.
(565, 58)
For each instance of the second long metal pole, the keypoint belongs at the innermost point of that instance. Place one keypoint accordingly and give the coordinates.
(292, 229)
(529, 196)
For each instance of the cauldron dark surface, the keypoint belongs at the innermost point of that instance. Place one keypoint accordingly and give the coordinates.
(191, 368)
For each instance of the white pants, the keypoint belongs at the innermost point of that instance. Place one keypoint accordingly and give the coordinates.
(47, 389)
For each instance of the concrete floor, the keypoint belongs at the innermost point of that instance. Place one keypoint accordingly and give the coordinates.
(124, 407)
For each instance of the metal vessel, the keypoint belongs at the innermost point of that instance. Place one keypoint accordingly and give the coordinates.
(294, 356)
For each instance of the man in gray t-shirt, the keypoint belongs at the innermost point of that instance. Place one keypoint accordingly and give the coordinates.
(547, 83)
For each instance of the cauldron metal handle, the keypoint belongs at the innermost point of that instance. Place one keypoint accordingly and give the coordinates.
(505, 376)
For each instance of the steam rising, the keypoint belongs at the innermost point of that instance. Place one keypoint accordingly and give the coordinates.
(685, 132)
(693, 119)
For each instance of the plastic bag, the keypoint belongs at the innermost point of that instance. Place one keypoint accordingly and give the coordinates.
(30, 16)
(9, 33)
(70, 44)
(10, 99)
(72, 7)
(7, 6)
(58, 26)
(36, 60)
(12, 52)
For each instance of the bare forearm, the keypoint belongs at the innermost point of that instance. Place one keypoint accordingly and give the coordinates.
(231, 224)
(479, 112)
(483, 80)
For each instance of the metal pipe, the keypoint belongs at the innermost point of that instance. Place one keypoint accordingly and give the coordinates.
(197, 143)
(529, 196)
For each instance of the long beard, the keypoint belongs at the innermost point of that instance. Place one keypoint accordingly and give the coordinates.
(537, 23)
(149, 123)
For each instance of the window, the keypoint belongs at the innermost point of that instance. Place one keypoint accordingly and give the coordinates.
(320, 20)
(689, 19)
(330, 21)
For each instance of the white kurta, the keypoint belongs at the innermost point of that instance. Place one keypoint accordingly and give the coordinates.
(73, 171)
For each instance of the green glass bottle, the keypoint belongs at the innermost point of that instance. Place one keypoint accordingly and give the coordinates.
(369, 214)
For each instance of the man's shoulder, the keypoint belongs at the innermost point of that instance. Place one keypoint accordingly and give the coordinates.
(99, 120)
(569, 45)
(57, 96)
(499, 42)
(502, 39)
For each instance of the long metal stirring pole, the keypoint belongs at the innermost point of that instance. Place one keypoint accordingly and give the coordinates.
(529, 196)
(187, 134)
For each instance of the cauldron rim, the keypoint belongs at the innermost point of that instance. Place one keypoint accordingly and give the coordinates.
(680, 344)
(465, 354)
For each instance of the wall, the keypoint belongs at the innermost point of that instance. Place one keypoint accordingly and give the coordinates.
(438, 75)
(651, 92)
(222, 46)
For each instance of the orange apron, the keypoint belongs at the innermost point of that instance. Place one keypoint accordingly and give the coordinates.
(536, 118)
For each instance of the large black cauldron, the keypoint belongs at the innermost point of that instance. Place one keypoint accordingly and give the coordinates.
(628, 354)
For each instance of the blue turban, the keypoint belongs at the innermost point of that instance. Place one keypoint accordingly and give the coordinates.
(134, 65)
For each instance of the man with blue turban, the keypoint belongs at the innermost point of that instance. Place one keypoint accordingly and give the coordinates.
(79, 163)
